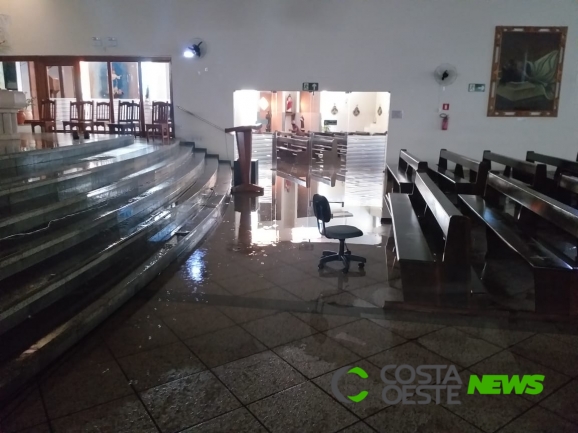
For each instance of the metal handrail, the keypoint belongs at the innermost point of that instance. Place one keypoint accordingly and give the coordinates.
(200, 118)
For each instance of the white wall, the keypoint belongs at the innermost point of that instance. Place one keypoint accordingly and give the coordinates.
(356, 45)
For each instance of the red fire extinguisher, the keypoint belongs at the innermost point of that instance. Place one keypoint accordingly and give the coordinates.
(445, 121)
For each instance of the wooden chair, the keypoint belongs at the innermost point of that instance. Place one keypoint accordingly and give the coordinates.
(47, 121)
(102, 118)
(81, 116)
(160, 121)
(128, 118)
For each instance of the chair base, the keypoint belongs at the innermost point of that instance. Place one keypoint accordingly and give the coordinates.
(342, 256)
(247, 188)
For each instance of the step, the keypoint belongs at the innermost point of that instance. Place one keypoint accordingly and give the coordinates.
(19, 197)
(34, 344)
(41, 215)
(65, 148)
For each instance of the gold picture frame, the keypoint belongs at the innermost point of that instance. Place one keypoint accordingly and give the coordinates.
(527, 71)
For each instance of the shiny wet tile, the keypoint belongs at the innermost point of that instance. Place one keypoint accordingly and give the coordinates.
(278, 329)
(238, 421)
(550, 352)
(24, 411)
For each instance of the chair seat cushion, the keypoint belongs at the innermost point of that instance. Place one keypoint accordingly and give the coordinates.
(342, 232)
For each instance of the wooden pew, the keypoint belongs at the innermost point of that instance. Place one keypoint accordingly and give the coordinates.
(562, 166)
(430, 276)
(328, 157)
(472, 181)
(528, 172)
(402, 173)
(555, 271)
(291, 157)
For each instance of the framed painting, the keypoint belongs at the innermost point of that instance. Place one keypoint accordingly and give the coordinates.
(527, 71)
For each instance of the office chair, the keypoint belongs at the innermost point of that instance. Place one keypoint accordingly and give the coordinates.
(323, 215)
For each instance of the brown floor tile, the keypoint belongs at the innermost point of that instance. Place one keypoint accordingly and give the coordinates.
(247, 284)
(304, 409)
(201, 321)
(359, 427)
(570, 339)
(457, 346)
(316, 355)
(189, 401)
(142, 335)
(161, 365)
(284, 274)
(324, 322)
(346, 299)
(550, 352)
(278, 329)
(258, 376)
(409, 330)
(42, 428)
(487, 412)
(564, 402)
(351, 384)
(238, 421)
(23, 411)
(510, 363)
(225, 345)
(538, 420)
(225, 270)
(500, 337)
(364, 337)
(429, 418)
(310, 289)
(71, 389)
(378, 294)
(124, 415)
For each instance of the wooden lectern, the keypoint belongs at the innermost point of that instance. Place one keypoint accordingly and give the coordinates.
(244, 136)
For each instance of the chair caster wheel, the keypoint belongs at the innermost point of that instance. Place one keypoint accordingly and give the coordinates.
(361, 265)
(348, 253)
(320, 266)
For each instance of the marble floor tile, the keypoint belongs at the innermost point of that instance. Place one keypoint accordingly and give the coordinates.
(538, 420)
(135, 337)
(378, 294)
(225, 270)
(258, 376)
(316, 355)
(571, 339)
(202, 321)
(510, 363)
(124, 415)
(564, 402)
(500, 337)
(351, 384)
(69, 389)
(364, 337)
(359, 427)
(225, 345)
(310, 289)
(303, 408)
(284, 274)
(161, 365)
(488, 412)
(247, 284)
(278, 329)
(23, 411)
(419, 418)
(409, 330)
(324, 322)
(41, 428)
(238, 421)
(457, 346)
(550, 352)
(188, 401)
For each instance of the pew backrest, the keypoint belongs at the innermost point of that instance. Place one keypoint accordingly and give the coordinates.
(407, 160)
(534, 174)
(454, 225)
(562, 165)
(557, 213)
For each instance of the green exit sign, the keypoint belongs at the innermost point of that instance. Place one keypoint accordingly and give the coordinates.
(473, 87)
(310, 87)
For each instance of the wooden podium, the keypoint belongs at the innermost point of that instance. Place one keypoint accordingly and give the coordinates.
(244, 136)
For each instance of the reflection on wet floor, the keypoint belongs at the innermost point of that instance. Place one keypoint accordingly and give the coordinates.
(245, 334)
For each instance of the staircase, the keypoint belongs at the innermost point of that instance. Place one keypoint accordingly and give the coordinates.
(84, 227)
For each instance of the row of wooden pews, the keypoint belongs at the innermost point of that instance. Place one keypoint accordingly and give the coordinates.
(527, 212)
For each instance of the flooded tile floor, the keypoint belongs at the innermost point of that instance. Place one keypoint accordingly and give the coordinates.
(247, 337)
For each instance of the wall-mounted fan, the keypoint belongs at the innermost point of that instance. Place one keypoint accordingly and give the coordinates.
(445, 74)
(194, 50)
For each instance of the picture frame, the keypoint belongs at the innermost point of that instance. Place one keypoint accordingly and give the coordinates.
(527, 69)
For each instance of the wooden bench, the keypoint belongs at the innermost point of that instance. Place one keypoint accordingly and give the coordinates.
(402, 173)
(555, 271)
(562, 167)
(291, 157)
(424, 221)
(472, 181)
(528, 172)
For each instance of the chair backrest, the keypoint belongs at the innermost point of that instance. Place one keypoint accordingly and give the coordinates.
(102, 111)
(128, 111)
(322, 212)
(161, 112)
(47, 109)
(81, 110)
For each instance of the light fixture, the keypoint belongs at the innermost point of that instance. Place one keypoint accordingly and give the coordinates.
(193, 50)
(263, 104)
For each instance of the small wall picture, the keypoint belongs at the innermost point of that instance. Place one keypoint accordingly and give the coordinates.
(527, 71)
